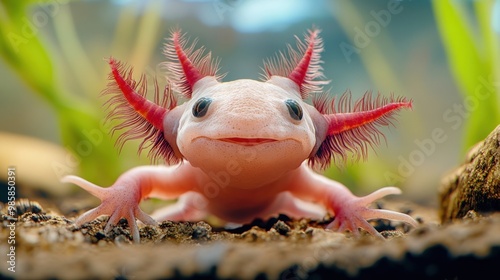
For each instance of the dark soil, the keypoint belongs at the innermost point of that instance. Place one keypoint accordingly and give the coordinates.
(49, 246)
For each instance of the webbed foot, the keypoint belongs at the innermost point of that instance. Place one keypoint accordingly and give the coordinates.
(352, 213)
(118, 201)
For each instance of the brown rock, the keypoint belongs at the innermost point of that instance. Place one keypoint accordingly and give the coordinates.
(475, 185)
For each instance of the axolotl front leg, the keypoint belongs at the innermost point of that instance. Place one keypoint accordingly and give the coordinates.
(351, 212)
(122, 199)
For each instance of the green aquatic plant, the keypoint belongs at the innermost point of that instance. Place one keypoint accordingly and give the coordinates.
(473, 51)
(24, 47)
(472, 48)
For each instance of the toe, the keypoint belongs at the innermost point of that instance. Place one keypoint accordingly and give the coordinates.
(112, 221)
(378, 194)
(134, 229)
(88, 216)
(363, 224)
(145, 218)
(93, 189)
(389, 215)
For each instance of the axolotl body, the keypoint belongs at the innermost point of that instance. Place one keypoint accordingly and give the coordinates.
(242, 149)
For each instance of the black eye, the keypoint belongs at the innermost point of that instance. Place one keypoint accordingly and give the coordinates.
(294, 109)
(200, 108)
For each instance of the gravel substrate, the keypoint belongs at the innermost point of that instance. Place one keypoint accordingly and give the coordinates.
(49, 246)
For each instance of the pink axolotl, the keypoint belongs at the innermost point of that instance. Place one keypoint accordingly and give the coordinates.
(241, 150)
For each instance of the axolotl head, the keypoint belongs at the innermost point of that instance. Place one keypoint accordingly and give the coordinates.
(258, 129)
(262, 128)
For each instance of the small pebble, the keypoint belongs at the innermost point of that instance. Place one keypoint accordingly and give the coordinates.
(391, 234)
(251, 235)
(25, 206)
(420, 220)
(471, 215)
(282, 228)
(201, 231)
(100, 235)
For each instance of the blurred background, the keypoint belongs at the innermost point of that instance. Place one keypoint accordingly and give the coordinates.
(442, 54)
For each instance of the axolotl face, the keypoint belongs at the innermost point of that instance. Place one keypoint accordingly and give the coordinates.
(254, 129)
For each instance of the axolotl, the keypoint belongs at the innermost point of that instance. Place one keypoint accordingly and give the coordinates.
(242, 149)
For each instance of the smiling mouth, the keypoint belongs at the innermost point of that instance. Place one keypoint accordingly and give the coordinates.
(247, 141)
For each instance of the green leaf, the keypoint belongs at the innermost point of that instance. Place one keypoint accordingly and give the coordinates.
(80, 124)
(21, 48)
(469, 56)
